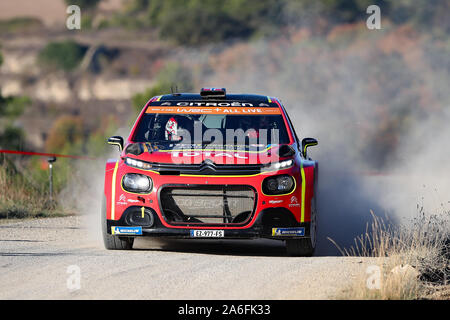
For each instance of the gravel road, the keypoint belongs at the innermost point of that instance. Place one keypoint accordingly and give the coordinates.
(36, 258)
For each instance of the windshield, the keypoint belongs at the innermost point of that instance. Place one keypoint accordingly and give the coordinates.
(224, 130)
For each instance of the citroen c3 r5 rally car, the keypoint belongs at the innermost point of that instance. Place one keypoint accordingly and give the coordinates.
(212, 166)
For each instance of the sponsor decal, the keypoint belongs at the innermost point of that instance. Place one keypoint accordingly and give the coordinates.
(275, 201)
(215, 104)
(212, 110)
(127, 230)
(133, 201)
(299, 232)
(122, 199)
(177, 154)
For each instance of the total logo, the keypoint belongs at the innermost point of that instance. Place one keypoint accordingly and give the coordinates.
(294, 202)
(178, 154)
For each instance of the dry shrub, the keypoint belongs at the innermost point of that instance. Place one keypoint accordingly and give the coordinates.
(19, 198)
(413, 260)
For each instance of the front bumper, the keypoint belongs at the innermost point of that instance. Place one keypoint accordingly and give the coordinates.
(272, 223)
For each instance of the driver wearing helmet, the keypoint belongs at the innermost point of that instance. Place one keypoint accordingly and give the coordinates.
(175, 127)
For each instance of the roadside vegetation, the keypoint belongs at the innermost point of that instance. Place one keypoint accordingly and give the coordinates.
(412, 260)
(24, 181)
(21, 197)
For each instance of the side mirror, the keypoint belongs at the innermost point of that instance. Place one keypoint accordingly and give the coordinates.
(308, 142)
(116, 140)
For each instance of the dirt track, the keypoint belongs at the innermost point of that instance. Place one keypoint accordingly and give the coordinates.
(35, 255)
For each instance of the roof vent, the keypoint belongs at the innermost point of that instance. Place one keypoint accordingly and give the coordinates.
(213, 92)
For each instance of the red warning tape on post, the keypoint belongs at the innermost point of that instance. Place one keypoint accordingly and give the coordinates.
(43, 154)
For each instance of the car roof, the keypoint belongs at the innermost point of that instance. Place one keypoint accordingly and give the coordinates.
(194, 99)
(255, 98)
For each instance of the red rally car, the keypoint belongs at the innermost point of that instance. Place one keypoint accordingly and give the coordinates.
(212, 166)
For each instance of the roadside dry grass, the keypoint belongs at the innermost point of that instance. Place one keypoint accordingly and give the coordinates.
(19, 198)
(412, 261)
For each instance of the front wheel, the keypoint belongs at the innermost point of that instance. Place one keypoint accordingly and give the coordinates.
(113, 242)
(304, 247)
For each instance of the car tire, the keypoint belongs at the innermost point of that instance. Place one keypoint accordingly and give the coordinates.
(305, 247)
(113, 242)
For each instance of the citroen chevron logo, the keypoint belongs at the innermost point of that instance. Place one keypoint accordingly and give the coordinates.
(208, 164)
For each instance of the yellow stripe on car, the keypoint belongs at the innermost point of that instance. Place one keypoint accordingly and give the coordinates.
(302, 170)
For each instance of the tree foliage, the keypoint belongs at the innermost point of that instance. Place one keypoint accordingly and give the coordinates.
(65, 55)
(12, 107)
(196, 22)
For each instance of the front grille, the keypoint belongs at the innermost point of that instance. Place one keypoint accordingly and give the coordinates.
(207, 168)
(211, 204)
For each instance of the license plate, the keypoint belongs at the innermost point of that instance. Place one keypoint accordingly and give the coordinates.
(207, 233)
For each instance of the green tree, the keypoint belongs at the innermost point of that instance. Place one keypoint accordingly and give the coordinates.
(13, 107)
(65, 55)
(12, 138)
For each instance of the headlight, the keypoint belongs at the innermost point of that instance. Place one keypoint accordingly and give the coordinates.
(138, 164)
(138, 183)
(283, 164)
(277, 185)
(279, 165)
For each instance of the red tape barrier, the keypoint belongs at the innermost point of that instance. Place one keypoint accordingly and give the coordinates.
(42, 154)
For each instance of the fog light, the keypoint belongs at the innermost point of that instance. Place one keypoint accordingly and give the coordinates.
(135, 218)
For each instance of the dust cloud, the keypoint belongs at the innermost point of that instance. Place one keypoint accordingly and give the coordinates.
(378, 148)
